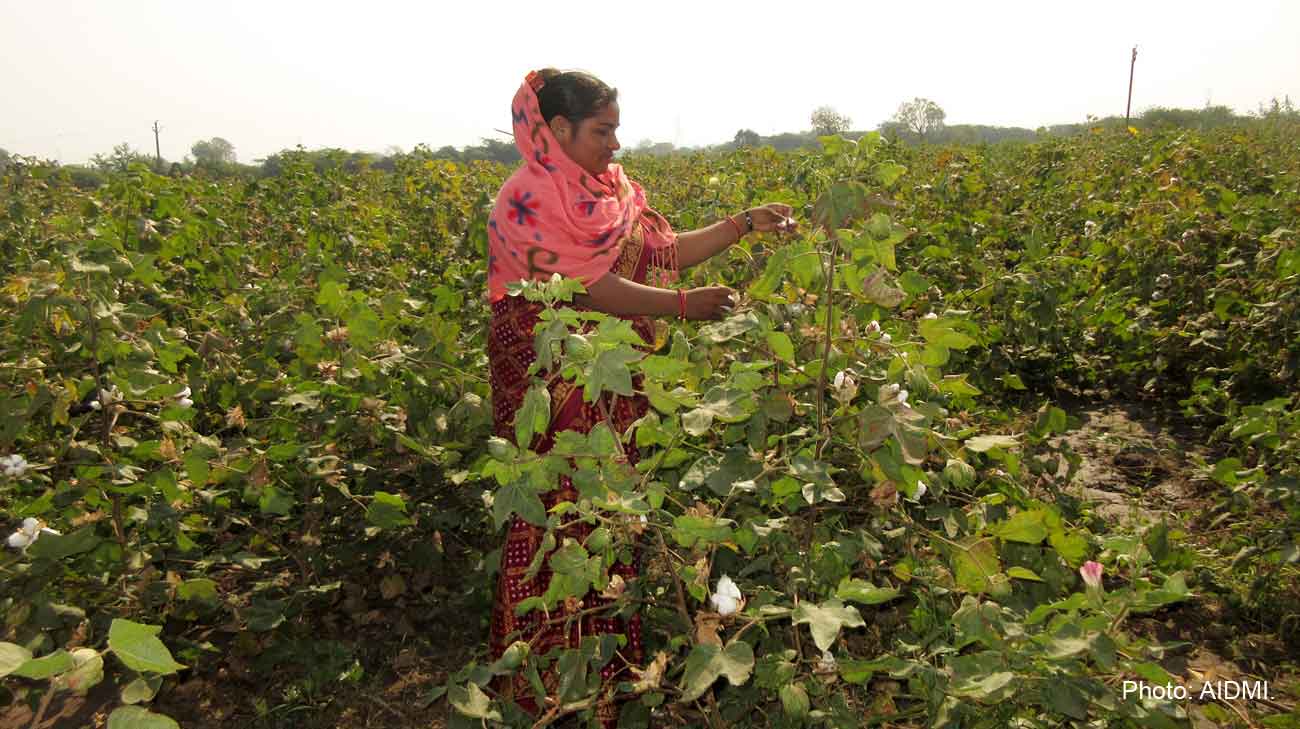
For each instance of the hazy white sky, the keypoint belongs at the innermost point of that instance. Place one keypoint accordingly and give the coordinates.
(77, 78)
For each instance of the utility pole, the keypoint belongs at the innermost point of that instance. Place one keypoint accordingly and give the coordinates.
(157, 149)
(1129, 106)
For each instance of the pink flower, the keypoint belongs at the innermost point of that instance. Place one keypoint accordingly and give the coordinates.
(1091, 573)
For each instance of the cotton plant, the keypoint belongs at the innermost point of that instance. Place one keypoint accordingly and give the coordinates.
(182, 398)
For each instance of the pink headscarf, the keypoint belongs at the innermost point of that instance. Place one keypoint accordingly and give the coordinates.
(553, 216)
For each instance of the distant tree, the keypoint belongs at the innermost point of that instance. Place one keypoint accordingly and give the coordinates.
(493, 150)
(747, 138)
(120, 159)
(921, 117)
(1277, 109)
(826, 121)
(215, 151)
(448, 153)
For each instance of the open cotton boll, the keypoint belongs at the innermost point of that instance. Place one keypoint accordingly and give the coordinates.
(873, 327)
(827, 663)
(726, 597)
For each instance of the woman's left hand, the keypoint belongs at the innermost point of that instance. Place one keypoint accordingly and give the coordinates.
(774, 218)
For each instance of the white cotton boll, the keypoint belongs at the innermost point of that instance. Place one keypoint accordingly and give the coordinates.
(839, 379)
(931, 315)
(726, 597)
(827, 663)
(873, 327)
(185, 402)
(14, 465)
(886, 338)
(95, 405)
(183, 394)
(920, 490)
(18, 540)
(31, 525)
(902, 397)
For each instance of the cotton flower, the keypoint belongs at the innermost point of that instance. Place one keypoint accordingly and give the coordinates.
(14, 465)
(1091, 573)
(726, 597)
(873, 327)
(27, 534)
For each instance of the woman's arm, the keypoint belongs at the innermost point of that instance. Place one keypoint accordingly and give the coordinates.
(616, 295)
(698, 246)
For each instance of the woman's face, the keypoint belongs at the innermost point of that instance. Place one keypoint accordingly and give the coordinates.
(592, 142)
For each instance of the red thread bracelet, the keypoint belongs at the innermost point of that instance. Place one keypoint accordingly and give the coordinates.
(681, 300)
(735, 225)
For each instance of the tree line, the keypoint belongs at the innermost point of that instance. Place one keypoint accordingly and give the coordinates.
(918, 121)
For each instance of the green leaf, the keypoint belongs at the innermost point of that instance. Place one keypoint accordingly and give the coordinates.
(87, 671)
(1024, 526)
(781, 346)
(985, 687)
(135, 717)
(707, 663)
(533, 415)
(12, 657)
(878, 291)
(982, 443)
(840, 205)
(1013, 382)
(794, 701)
(45, 666)
(58, 546)
(142, 689)
(275, 501)
(826, 619)
(472, 702)
(863, 592)
(387, 511)
(689, 530)
(773, 273)
(516, 498)
(139, 648)
(975, 564)
(610, 373)
(887, 173)
(1023, 573)
(199, 589)
(1072, 547)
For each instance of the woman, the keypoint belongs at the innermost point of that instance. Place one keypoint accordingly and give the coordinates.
(570, 210)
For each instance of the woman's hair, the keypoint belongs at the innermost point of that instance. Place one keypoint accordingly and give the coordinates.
(573, 95)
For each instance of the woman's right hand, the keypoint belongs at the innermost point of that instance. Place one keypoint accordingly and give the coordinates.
(709, 303)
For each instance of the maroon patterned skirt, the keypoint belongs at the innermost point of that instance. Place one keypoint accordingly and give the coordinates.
(510, 352)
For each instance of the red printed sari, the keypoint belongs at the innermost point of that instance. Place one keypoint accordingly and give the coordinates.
(510, 352)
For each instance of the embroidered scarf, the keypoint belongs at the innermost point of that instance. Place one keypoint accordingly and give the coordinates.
(553, 216)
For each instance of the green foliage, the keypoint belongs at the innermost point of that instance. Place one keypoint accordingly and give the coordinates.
(327, 323)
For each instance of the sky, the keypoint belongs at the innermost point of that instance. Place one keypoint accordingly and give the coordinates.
(77, 78)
